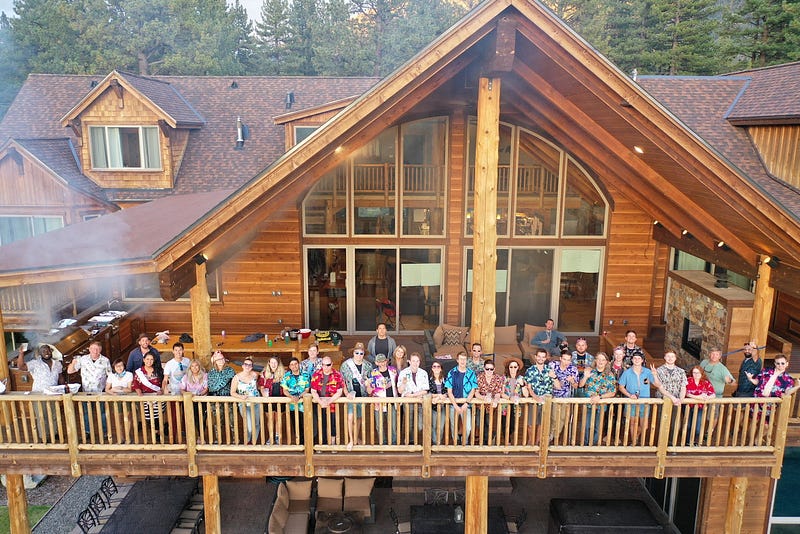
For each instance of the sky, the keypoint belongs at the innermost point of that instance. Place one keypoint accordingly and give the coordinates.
(253, 7)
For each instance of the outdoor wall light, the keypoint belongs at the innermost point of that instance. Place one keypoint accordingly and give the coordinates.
(200, 259)
(638, 149)
(773, 261)
(723, 245)
(686, 233)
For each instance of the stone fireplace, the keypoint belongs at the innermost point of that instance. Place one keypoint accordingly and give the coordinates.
(701, 316)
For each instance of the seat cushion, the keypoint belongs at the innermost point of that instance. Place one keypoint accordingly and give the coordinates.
(358, 487)
(327, 504)
(278, 518)
(297, 523)
(329, 488)
(359, 505)
(296, 507)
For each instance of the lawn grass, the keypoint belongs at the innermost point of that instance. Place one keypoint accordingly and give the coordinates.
(35, 513)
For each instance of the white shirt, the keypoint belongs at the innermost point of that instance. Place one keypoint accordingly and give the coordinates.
(43, 374)
(93, 373)
(413, 383)
(175, 369)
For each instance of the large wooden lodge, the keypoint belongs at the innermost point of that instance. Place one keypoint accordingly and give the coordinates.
(506, 174)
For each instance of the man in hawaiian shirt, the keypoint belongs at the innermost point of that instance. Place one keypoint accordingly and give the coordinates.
(670, 380)
(294, 385)
(327, 385)
(461, 384)
(540, 380)
(94, 368)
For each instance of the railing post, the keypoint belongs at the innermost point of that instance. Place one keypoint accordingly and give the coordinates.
(427, 422)
(71, 423)
(663, 435)
(737, 490)
(784, 408)
(308, 434)
(191, 432)
(544, 435)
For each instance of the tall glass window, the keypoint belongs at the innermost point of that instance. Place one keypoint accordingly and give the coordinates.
(537, 187)
(374, 186)
(423, 193)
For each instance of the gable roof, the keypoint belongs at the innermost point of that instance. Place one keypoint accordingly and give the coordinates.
(45, 99)
(162, 97)
(772, 96)
(703, 103)
(558, 85)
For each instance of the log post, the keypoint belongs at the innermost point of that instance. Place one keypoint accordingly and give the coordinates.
(476, 516)
(737, 491)
(211, 509)
(763, 301)
(4, 373)
(484, 256)
(201, 316)
(17, 505)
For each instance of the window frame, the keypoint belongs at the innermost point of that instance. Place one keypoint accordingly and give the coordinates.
(93, 154)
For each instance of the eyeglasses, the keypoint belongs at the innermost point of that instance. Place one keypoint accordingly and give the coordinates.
(357, 353)
(247, 364)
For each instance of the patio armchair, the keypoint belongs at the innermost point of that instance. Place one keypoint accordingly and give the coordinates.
(291, 509)
(506, 345)
(445, 339)
(528, 350)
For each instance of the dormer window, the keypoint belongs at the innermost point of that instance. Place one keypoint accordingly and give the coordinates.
(125, 147)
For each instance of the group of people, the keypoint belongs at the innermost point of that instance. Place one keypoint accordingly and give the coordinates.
(383, 369)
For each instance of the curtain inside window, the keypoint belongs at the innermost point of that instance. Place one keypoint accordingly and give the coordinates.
(152, 158)
(114, 148)
(98, 144)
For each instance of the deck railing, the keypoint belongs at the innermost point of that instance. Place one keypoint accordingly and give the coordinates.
(84, 423)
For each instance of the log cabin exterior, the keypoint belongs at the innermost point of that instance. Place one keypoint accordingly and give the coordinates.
(506, 174)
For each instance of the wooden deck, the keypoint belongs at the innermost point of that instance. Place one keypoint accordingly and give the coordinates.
(733, 438)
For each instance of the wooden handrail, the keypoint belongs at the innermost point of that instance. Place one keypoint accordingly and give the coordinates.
(194, 427)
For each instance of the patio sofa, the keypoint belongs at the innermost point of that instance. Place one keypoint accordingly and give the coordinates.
(445, 339)
(351, 495)
(291, 510)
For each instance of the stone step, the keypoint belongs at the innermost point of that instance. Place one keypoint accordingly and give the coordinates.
(497, 485)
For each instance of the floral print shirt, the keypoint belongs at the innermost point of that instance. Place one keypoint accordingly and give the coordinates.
(600, 383)
(335, 383)
(293, 386)
(782, 383)
(539, 380)
(563, 377)
(514, 388)
(94, 373)
(495, 387)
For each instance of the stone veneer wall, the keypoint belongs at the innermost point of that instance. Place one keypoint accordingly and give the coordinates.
(685, 302)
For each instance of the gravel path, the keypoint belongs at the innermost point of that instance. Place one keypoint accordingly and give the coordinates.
(64, 513)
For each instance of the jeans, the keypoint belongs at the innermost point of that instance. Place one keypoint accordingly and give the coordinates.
(87, 410)
(251, 413)
(386, 424)
(599, 414)
(467, 418)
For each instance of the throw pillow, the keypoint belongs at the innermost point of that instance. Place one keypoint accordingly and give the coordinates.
(505, 335)
(358, 487)
(453, 337)
(299, 490)
(329, 488)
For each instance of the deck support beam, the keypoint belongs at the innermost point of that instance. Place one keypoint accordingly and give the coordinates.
(484, 257)
(762, 303)
(17, 505)
(4, 372)
(476, 516)
(211, 509)
(201, 317)
(737, 491)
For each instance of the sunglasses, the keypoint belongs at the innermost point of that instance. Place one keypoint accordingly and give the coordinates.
(513, 366)
(488, 368)
(326, 364)
(358, 353)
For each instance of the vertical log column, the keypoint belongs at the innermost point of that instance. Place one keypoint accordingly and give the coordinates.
(762, 303)
(737, 491)
(4, 373)
(484, 256)
(17, 505)
(476, 516)
(201, 317)
(212, 516)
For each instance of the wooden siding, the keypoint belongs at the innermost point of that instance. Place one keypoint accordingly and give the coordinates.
(630, 268)
(37, 192)
(779, 147)
(658, 295)
(453, 259)
(314, 120)
(110, 110)
(787, 311)
(714, 505)
(271, 262)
